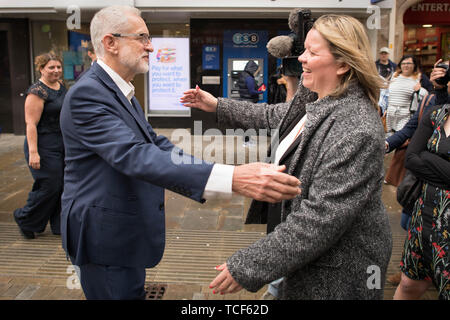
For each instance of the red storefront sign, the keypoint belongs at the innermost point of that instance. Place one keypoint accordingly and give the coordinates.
(428, 12)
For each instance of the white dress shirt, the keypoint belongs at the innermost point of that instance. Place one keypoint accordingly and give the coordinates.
(126, 87)
(219, 184)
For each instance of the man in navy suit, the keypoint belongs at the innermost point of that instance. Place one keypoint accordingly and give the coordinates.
(117, 168)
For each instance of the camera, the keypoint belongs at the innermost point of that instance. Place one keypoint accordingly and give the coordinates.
(446, 78)
(300, 22)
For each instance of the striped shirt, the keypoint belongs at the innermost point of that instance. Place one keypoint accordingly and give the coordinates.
(401, 89)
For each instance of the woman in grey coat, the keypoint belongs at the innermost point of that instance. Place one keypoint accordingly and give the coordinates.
(333, 241)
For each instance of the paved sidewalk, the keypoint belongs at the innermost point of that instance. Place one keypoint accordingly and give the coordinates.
(199, 237)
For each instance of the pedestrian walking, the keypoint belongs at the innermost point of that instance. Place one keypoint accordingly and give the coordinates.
(44, 149)
(425, 253)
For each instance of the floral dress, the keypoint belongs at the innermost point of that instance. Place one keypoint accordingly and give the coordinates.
(426, 249)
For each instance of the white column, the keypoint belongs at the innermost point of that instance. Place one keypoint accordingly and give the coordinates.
(392, 24)
(373, 39)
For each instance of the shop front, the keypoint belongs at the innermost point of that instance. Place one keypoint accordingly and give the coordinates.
(427, 32)
(194, 45)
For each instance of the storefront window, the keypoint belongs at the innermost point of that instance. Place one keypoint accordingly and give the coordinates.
(70, 45)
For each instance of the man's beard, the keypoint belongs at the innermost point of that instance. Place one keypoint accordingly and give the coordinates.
(136, 64)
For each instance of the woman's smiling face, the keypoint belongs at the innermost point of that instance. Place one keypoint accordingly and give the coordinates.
(407, 67)
(321, 72)
(52, 71)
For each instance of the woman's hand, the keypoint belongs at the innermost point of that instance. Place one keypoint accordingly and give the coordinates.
(417, 86)
(436, 74)
(224, 282)
(34, 160)
(197, 98)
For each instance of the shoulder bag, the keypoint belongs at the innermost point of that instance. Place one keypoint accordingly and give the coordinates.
(410, 187)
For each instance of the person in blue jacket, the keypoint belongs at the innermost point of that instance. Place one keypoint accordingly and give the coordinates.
(385, 66)
(248, 89)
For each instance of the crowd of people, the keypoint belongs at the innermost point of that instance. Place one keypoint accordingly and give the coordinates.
(100, 170)
(418, 130)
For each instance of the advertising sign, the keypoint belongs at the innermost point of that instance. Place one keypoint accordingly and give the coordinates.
(211, 57)
(428, 12)
(168, 77)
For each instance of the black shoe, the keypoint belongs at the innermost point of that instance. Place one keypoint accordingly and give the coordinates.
(27, 234)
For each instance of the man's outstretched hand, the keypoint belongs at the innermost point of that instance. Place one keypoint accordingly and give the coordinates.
(265, 182)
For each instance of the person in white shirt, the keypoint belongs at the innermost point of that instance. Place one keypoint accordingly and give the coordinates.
(404, 82)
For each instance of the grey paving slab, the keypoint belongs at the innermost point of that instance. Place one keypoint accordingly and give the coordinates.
(198, 238)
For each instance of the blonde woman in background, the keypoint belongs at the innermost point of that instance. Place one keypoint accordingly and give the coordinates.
(326, 240)
(43, 148)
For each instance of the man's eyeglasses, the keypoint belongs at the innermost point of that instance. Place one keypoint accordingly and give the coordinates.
(143, 37)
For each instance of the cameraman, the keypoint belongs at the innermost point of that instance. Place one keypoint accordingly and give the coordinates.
(441, 90)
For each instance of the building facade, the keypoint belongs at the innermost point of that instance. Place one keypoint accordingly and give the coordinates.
(200, 42)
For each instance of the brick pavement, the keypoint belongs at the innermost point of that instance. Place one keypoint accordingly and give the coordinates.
(202, 226)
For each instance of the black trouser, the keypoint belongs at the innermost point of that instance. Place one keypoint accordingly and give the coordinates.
(44, 200)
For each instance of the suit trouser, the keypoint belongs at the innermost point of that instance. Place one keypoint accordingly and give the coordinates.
(101, 282)
(44, 200)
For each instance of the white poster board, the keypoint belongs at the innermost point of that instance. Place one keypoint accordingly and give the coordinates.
(168, 77)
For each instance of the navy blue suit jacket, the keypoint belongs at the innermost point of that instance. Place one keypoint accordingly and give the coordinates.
(116, 171)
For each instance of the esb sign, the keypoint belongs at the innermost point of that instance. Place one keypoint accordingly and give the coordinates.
(428, 12)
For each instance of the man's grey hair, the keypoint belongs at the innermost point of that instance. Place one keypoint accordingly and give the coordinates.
(113, 19)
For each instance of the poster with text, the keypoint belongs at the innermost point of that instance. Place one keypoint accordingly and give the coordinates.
(168, 76)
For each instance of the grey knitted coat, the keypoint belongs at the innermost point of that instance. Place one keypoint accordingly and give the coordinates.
(334, 241)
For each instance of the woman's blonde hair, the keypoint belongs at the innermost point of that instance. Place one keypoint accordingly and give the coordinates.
(350, 45)
(41, 60)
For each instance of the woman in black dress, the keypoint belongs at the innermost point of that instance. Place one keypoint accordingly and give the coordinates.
(425, 259)
(44, 149)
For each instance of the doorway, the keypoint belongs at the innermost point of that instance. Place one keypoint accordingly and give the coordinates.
(15, 74)
(6, 116)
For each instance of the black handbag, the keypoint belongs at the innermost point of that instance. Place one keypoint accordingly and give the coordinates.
(408, 191)
(415, 102)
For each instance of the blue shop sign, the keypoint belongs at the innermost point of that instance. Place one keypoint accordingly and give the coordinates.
(211, 57)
